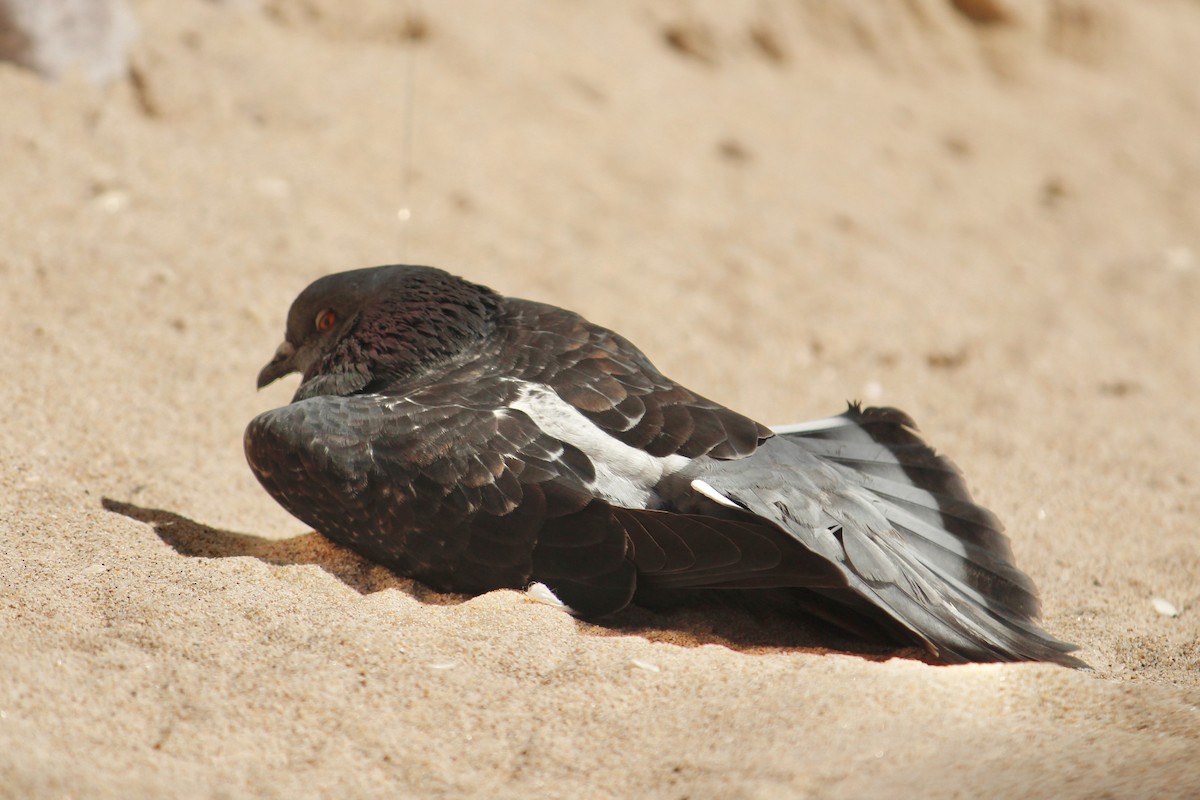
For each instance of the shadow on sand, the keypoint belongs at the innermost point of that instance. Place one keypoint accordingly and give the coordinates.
(708, 618)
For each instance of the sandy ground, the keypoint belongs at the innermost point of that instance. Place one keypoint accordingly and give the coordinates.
(994, 225)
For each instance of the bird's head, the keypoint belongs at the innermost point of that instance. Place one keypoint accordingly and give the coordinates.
(360, 330)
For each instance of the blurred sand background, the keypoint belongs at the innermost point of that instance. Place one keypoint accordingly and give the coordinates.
(985, 213)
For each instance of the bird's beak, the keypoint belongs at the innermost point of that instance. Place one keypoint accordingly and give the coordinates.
(279, 366)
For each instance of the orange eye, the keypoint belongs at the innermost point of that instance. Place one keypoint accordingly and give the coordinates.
(326, 320)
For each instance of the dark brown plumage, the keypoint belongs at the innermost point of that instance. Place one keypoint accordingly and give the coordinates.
(477, 442)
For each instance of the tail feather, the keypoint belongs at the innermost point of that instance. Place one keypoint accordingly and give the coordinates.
(974, 523)
(940, 569)
(993, 575)
(942, 522)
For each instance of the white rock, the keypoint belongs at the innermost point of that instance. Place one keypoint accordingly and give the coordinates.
(1164, 607)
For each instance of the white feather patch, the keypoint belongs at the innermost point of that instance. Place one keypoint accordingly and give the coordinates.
(541, 593)
(704, 488)
(625, 475)
(811, 427)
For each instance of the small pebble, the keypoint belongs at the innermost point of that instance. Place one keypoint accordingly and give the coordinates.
(1164, 607)
(646, 665)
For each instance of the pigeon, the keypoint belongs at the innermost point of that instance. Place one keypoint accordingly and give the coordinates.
(476, 442)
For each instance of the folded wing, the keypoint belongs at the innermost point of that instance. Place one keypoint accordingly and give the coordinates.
(443, 487)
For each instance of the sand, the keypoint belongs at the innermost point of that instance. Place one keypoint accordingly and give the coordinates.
(987, 217)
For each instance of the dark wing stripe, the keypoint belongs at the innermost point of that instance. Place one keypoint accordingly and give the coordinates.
(906, 463)
(961, 597)
(995, 576)
(936, 514)
(721, 553)
(975, 522)
(960, 619)
(988, 582)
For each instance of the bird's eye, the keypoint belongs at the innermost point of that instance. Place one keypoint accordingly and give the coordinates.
(326, 320)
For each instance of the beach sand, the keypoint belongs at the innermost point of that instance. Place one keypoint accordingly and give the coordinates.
(983, 213)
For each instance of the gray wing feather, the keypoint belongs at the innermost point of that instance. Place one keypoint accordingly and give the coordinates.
(917, 550)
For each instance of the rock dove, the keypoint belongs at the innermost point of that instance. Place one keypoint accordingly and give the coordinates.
(477, 442)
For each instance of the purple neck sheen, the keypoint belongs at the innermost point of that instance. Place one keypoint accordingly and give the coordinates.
(405, 322)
